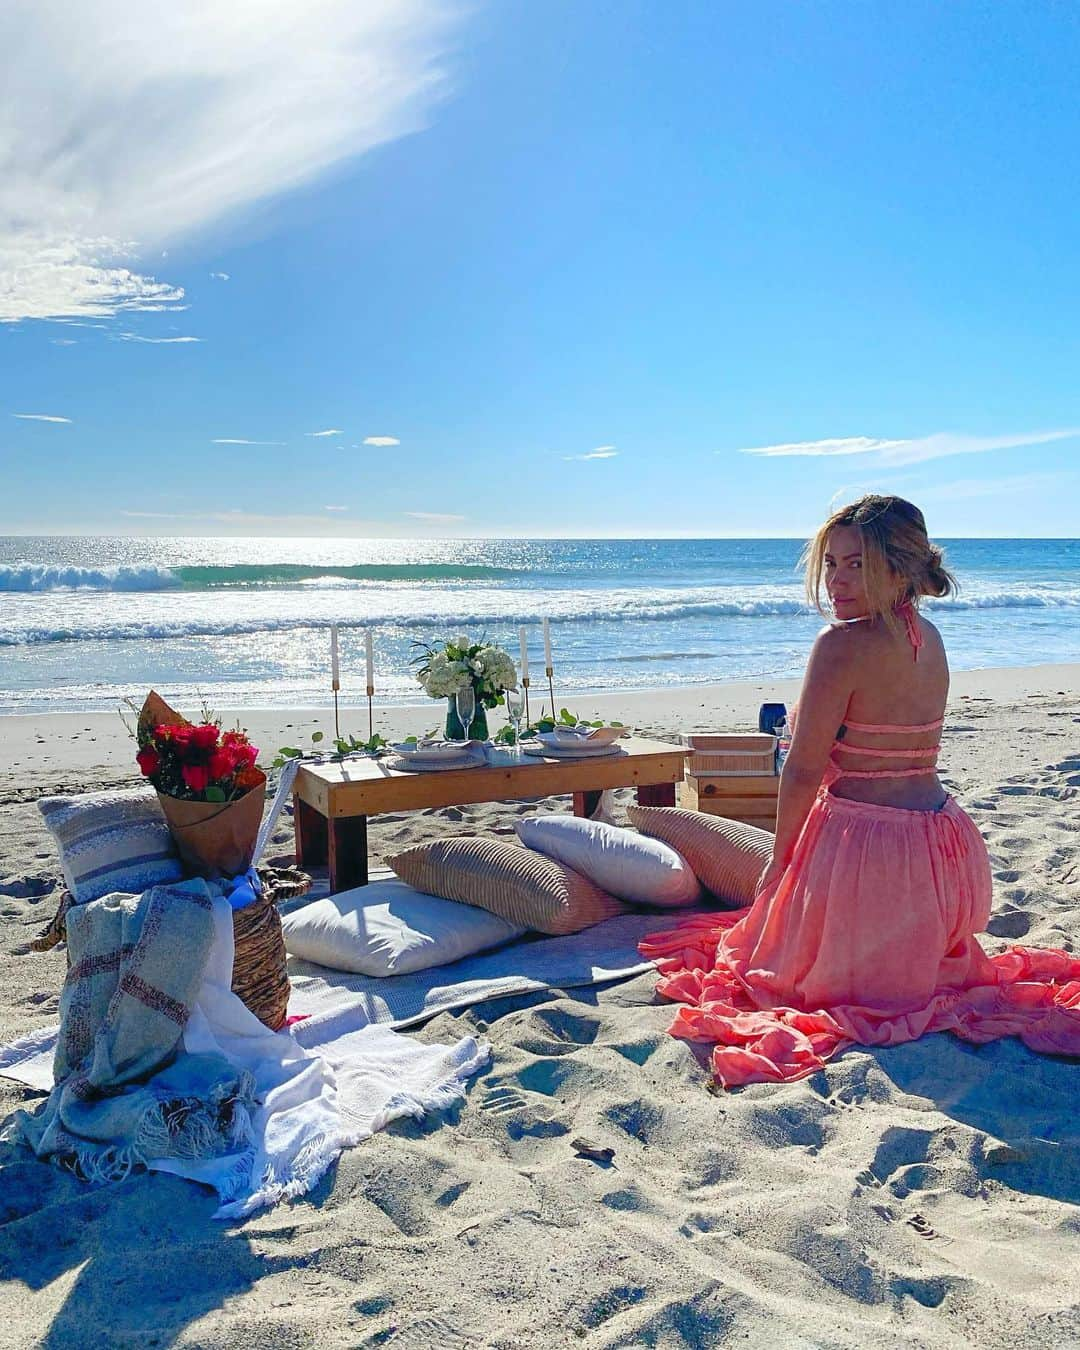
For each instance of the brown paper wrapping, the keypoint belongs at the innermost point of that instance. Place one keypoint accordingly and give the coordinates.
(212, 838)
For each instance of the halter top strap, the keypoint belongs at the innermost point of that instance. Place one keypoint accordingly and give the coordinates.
(911, 626)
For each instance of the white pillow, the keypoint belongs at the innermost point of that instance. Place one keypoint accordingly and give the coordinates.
(388, 928)
(622, 862)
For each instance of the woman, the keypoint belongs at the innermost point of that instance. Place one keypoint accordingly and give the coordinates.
(862, 929)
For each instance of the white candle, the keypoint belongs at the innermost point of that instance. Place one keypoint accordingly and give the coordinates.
(335, 674)
(547, 644)
(369, 653)
(524, 654)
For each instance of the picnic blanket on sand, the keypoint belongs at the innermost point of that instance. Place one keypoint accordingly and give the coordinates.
(158, 1063)
(599, 955)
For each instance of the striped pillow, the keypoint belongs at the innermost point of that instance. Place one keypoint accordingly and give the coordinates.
(521, 886)
(111, 841)
(726, 856)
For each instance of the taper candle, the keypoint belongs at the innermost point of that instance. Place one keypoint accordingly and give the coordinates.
(335, 673)
(524, 654)
(369, 652)
(547, 644)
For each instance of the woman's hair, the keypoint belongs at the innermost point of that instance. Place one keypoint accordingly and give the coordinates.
(899, 563)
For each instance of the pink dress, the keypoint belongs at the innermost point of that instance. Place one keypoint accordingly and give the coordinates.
(868, 937)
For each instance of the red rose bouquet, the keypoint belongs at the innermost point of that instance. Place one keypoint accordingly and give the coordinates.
(208, 785)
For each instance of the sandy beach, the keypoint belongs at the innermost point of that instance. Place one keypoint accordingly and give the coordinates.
(923, 1196)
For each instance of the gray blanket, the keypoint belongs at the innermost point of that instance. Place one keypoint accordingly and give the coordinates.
(122, 1095)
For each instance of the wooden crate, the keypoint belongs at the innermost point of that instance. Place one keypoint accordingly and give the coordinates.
(750, 798)
(731, 755)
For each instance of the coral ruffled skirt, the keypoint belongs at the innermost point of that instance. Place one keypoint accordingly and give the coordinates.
(867, 937)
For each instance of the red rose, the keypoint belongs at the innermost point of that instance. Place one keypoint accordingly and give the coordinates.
(196, 776)
(148, 760)
(222, 763)
(205, 737)
(179, 735)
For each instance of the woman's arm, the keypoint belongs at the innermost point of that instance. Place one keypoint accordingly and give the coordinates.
(827, 687)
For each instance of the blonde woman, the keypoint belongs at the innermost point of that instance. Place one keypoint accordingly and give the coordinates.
(863, 928)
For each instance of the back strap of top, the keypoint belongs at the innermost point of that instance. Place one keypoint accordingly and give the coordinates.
(910, 753)
(887, 728)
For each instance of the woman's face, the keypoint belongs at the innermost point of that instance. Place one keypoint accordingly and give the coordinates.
(844, 579)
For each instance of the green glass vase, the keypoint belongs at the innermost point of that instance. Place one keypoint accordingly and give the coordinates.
(478, 731)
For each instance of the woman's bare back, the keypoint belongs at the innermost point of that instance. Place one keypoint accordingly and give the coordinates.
(894, 689)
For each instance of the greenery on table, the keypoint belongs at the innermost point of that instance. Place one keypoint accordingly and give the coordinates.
(343, 745)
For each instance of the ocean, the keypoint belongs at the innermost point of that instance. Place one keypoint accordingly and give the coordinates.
(85, 622)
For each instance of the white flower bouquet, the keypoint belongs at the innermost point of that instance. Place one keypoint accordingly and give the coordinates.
(444, 668)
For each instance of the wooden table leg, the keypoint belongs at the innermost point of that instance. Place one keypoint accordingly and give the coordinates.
(309, 827)
(585, 803)
(656, 794)
(348, 853)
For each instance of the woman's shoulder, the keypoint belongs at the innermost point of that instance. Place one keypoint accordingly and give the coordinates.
(840, 637)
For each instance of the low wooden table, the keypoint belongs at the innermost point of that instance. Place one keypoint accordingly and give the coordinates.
(332, 801)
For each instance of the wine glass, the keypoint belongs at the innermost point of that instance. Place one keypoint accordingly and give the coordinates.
(515, 711)
(465, 701)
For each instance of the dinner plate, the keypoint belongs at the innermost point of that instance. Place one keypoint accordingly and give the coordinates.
(577, 745)
(583, 751)
(591, 735)
(416, 764)
(431, 750)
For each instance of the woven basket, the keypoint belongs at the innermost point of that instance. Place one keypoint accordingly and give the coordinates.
(259, 979)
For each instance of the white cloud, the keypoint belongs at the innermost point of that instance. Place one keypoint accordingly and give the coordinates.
(239, 440)
(1012, 484)
(187, 116)
(911, 451)
(435, 517)
(138, 337)
(381, 440)
(601, 452)
(331, 431)
(335, 508)
(41, 417)
(64, 342)
(219, 276)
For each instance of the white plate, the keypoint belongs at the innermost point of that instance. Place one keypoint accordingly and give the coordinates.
(414, 764)
(563, 751)
(431, 750)
(580, 745)
(590, 735)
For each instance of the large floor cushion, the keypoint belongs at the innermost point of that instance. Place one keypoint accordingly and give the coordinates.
(620, 861)
(521, 886)
(111, 841)
(388, 928)
(726, 855)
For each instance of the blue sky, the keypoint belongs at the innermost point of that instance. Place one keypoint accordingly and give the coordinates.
(602, 268)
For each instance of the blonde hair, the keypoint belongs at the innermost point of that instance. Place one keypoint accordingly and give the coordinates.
(899, 563)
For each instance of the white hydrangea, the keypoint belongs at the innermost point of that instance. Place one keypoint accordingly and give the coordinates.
(462, 642)
(497, 668)
(443, 678)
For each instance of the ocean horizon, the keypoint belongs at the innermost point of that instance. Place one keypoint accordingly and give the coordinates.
(88, 620)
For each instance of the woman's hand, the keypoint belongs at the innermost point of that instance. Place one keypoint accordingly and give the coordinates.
(771, 873)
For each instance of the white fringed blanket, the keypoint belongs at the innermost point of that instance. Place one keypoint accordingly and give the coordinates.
(313, 1093)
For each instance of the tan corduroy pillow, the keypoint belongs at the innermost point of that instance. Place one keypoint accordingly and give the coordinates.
(726, 856)
(521, 886)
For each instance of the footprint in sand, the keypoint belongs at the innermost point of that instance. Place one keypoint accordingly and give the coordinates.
(431, 1333)
(1010, 923)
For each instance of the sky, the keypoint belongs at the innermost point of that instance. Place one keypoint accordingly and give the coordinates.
(418, 268)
